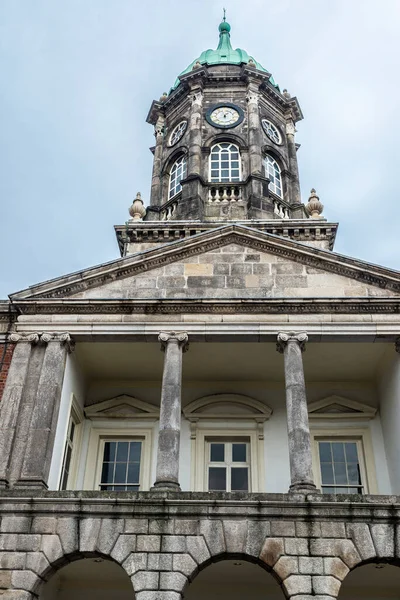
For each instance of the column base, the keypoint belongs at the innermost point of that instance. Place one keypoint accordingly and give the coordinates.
(166, 486)
(304, 488)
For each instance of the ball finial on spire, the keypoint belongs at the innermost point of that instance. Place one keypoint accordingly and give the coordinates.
(224, 25)
(314, 206)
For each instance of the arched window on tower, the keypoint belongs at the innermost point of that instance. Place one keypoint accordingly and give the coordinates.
(178, 172)
(225, 163)
(273, 172)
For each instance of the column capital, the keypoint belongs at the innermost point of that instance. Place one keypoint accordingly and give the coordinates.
(290, 127)
(179, 337)
(159, 127)
(284, 338)
(32, 338)
(63, 338)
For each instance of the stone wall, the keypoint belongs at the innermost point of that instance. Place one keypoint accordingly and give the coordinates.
(163, 540)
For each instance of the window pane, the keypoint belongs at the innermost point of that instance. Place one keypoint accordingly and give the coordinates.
(351, 451)
(109, 451)
(239, 452)
(133, 472)
(71, 434)
(353, 471)
(132, 488)
(217, 452)
(328, 490)
(120, 473)
(338, 451)
(217, 479)
(240, 477)
(122, 451)
(340, 473)
(135, 451)
(107, 472)
(325, 452)
(327, 473)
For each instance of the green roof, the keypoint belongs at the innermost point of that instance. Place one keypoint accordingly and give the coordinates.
(224, 55)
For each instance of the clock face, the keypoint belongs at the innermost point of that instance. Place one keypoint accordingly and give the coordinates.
(225, 115)
(177, 133)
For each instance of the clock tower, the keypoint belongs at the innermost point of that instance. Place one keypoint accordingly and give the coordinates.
(225, 151)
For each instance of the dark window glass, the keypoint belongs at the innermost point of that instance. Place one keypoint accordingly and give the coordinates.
(239, 452)
(240, 476)
(217, 479)
(217, 452)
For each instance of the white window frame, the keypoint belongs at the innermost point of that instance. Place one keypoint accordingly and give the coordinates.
(364, 449)
(273, 172)
(76, 416)
(232, 148)
(199, 462)
(177, 173)
(94, 460)
(228, 463)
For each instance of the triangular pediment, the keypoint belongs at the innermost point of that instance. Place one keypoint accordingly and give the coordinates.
(337, 407)
(226, 263)
(122, 407)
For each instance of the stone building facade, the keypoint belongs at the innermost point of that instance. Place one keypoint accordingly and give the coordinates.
(163, 433)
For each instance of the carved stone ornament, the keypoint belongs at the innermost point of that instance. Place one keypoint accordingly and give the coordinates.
(314, 206)
(159, 127)
(290, 128)
(284, 338)
(32, 338)
(137, 209)
(180, 337)
(252, 97)
(43, 338)
(197, 97)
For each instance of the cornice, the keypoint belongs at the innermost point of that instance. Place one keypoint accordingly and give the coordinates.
(206, 242)
(215, 306)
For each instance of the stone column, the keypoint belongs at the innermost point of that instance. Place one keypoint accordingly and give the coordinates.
(291, 345)
(36, 431)
(13, 398)
(195, 121)
(253, 114)
(293, 166)
(156, 188)
(167, 475)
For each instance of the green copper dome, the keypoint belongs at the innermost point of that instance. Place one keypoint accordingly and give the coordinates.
(224, 55)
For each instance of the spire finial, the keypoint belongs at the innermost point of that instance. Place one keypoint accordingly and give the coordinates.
(224, 18)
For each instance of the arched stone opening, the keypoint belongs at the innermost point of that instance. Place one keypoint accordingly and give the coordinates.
(374, 580)
(234, 578)
(90, 578)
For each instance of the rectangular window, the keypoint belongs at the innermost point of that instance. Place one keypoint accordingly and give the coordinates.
(120, 470)
(341, 466)
(228, 465)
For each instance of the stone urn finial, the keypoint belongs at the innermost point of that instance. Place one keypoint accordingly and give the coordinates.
(163, 97)
(314, 206)
(286, 94)
(197, 65)
(251, 63)
(137, 209)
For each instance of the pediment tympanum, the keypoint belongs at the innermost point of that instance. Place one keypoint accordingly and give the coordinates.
(122, 407)
(227, 263)
(337, 407)
(227, 407)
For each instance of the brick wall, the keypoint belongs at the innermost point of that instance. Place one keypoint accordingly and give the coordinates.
(6, 352)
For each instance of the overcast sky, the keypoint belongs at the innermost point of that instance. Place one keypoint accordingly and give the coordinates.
(78, 78)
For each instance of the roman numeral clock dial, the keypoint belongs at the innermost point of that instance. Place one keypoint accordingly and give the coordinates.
(224, 115)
